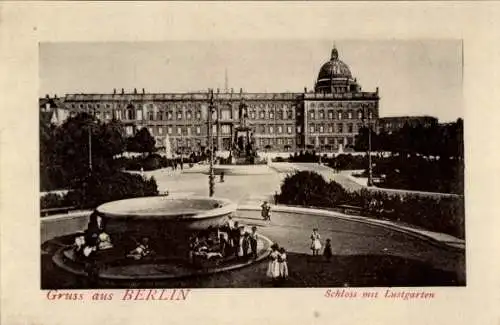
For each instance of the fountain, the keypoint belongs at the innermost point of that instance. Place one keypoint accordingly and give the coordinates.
(151, 238)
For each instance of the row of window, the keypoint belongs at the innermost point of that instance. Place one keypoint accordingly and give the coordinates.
(138, 115)
(339, 115)
(331, 141)
(341, 104)
(341, 128)
(174, 106)
(275, 141)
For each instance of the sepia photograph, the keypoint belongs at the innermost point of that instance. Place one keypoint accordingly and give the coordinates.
(329, 163)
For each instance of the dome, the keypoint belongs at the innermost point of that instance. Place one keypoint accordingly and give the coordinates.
(334, 76)
(334, 68)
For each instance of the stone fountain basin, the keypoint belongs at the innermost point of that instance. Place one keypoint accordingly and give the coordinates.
(158, 213)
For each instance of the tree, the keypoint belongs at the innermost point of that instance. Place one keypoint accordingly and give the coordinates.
(141, 142)
(65, 150)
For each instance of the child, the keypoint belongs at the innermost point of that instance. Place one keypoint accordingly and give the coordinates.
(315, 242)
(266, 211)
(283, 264)
(327, 253)
(273, 267)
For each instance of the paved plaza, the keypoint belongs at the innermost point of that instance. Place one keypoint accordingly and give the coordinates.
(365, 254)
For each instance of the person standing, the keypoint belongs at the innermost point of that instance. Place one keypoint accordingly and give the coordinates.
(273, 267)
(253, 241)
(236, 237)
(315, 242)
(283, 263)
(266, 211)
(327, 253)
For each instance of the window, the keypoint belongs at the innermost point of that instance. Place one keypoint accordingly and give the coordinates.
(370, 115)
(107, 116)
(252, 115)
(160, 130)
(321, 114)
(179, 130)
(340, 127)
(330, 128)
(188, 130)
(198, 114)
(289, 141)
(198, 130)
(321, 129)
(169, 130)
(271, 129)
(271, 115)
(98, 115)
(349, 115)
(151, 116)
(118, 115)
(214, 129)
(289, 129)
(311, 114)
(280, 141)
(129, 130)
(280, 129)
(188, 115)
(311, 128)
(279, 115)
(226, 129)
(360, 115)
(290, 114)
(179, 115)
(169, 115)
(349, 128)
(299, 129)
(339, 115)
(150, 129)
(262, 115)
(330, 115)
(226, 114)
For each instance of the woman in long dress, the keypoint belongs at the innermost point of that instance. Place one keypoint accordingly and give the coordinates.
(283, 264)
(315, 242)
(273, 267)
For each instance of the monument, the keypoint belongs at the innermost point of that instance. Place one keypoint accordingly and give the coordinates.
(242, 149)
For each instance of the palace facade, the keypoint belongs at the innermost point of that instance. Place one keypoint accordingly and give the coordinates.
(327, 118)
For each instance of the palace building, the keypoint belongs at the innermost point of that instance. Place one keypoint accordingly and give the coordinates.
(325, 119)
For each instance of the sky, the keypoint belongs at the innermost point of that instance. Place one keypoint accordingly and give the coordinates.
(414, 77)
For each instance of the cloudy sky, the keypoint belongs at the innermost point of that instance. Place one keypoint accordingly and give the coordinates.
(414, 77)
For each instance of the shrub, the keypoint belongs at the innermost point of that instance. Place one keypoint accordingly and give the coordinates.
(99, 189)
(310, 189)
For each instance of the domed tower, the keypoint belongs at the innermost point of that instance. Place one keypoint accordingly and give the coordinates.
(335, 77)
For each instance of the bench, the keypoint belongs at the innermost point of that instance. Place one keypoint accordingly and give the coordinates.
(350, 209)
(51, 211)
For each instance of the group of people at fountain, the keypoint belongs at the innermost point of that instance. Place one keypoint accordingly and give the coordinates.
(96, 239)
(230, 240)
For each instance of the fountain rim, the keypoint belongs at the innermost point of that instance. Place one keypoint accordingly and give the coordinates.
(226, 207)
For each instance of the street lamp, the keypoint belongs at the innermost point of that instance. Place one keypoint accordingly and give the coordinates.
(370, 174)
(211, 108)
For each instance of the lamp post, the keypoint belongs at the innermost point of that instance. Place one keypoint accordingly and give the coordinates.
(211, 181)
(370, 175)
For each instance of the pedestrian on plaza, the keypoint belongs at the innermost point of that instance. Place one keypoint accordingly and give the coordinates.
(245, 245)
(315, 242)
(266, 211)
(327, 252)
(282, 260)
(236, 236)
(273, 267)
(253, 241)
